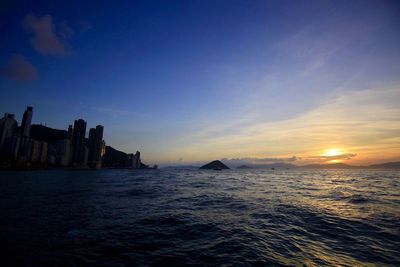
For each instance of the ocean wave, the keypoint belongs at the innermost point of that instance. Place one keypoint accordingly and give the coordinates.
(189, 217)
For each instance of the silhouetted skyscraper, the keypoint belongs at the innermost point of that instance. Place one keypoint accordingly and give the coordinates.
(25, 149)
(7, 128)
(70, 132)
(135, 160)
(95, 146)
(78, 138)
(39, 151)
(26, 122)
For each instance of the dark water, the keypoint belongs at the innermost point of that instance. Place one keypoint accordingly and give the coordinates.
(190, 217)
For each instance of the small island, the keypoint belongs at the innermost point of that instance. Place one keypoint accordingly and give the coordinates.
(214, 165)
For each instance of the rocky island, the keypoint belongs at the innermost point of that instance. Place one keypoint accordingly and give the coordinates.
(214, 165)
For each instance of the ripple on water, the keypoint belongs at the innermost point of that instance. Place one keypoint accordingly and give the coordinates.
(191, 217)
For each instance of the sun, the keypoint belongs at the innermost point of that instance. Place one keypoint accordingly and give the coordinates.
(332, 152)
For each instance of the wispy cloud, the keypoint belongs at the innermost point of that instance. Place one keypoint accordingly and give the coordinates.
(249, 160)
(85, 26)
(48, 39)
(346, 156)
(115, 112)
(364, 122)
(19, 69)
(314, 46)
(64, 31)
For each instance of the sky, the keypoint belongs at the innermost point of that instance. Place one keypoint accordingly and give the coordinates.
(186, 82)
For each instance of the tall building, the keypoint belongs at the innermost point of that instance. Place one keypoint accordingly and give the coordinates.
(26, 122)
(103, 149)
(70, 132)
(65, 149)
(95, 146)
(91, 145)
(85, 156)
(11, 146)
(59, 153)
(8, 126)
(25, 149)
(135, 160)
(39, 152)
(78, 139)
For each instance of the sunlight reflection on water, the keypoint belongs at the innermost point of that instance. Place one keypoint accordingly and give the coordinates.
(180, 217)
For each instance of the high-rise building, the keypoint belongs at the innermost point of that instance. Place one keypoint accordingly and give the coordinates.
(59, 153)
(8, 126)
(78, 139)
(70, 132)
(103, 149)
(91, 145)
(135, 160)
(39, 152)
(65, 152)
(11, 146)
(85, 156)
(25, 149)
(36, 151)
(26, 122)
(95, 146)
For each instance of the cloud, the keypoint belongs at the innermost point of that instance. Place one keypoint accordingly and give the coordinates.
(365, 122)
(115, 112)
(64, 31)
(346, 156)
(47, 38)
(317, 45)
(19, 69)
(255, 161)
(85, 26)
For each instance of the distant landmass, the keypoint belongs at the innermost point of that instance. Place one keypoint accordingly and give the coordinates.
(330, 166)
(182, 167)
(216, 164)
(244, 167)
(46, 134)
(115, 158)
(268, 166)
(277, 166)
(388, 165)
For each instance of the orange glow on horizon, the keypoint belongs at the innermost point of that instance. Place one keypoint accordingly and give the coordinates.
(332, 152)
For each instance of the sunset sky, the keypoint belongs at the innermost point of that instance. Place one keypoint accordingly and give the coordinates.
(186, 82)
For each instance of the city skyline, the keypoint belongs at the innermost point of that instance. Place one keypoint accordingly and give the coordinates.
(194, 81)
(35, 146)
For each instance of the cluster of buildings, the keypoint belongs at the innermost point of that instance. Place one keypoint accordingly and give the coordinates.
(16, 143)
(41, 146)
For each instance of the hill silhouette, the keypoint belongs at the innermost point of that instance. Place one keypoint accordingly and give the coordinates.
(216, 164)
(244, 167)
(43, 133)
(387, 165)
(329, 166)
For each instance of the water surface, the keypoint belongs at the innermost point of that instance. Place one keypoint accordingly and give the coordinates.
(199, 217)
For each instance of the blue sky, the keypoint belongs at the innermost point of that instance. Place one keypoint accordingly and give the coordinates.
(190, 81)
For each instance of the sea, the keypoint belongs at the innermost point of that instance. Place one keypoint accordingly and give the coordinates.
(190, 217)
